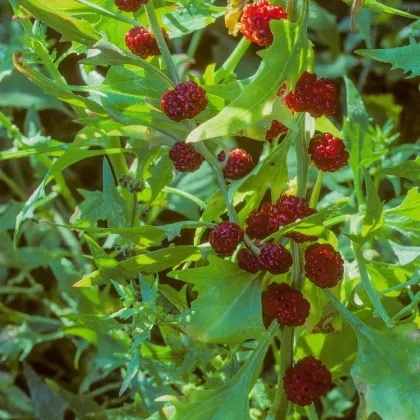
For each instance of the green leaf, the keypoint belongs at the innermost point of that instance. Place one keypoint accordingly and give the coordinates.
(52, 88)
(114, 207)
(46, 403)
(376, 6)
(406, 58)
(374, 218)
(356, 134)
(228, 308)
(71, 29)
(229, 401)
(409, 170)
(324, 125)
(147, 263)
(132, 370)
(287, 58)
(191, 16)
(386, 372)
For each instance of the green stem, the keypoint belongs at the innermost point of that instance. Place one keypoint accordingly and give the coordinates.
(302, 159)
(195, 41)
(365, 280)
(186, 195)
(163, 47)
(280, 406)
(410, 307)
(291, 10)
(316, 191)
(232, 61)
(336, 220)
(312, 414)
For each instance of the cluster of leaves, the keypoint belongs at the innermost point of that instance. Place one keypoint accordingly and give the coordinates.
(162, 328)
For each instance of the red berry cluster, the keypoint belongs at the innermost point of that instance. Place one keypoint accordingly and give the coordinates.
(262, 223)
(318, 97)
(225, 238)
(324, 266)
(255, 22)
(328, 153)
(142, 43)
(308, 380)
(286, 305)
(129, 5)
(185, 157)
(238, 165)
(186, 100)
(276, 129)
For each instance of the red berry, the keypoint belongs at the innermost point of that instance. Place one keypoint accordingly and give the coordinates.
(142, 43)
(288, 306)
(275, 258)
(318, 97)
(255, 21)
(238, 165)
(129, 5)
(225, 238)
(221, 156)
(248, 261)
(287, 210)
(328, 153)
(185, 157)
(324, 266)
(276, 129)
(307, 381)
(186, 100)
(258, 222)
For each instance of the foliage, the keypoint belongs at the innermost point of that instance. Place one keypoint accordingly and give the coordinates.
(113, 303)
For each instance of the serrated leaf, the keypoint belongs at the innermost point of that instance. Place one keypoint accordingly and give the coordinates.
(191, 16)
(228, 307)
(71, 29)
(406, 58)
(287, 58)
(386, 371)
(147, 264)
(229, 401)
(409, 170)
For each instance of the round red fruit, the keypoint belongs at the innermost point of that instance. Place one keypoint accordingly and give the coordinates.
(186, 100)
(276, 129)
(238, 165)
(185, 157)
(285, 304)
(308, 380)
(275, 258)
(225, 238)
(258, 222)
(142, 43)
(328, 153)
(255, 21)
(248, 261)
(129, 5)
(324, 266)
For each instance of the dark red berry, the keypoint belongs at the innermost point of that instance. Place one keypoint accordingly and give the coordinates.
(221, 156)
(328, 153)
(288, 306)
(142, 43)
(318, 97)
(248, 261)
(186, 100)
(238, 165)
(255, 21)
(275, 258)
(185, 157)
(287, 210)
(225, 238)
(276, 129)
(129, 5)
(308, 380)
(324, 266)
(258, 222)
